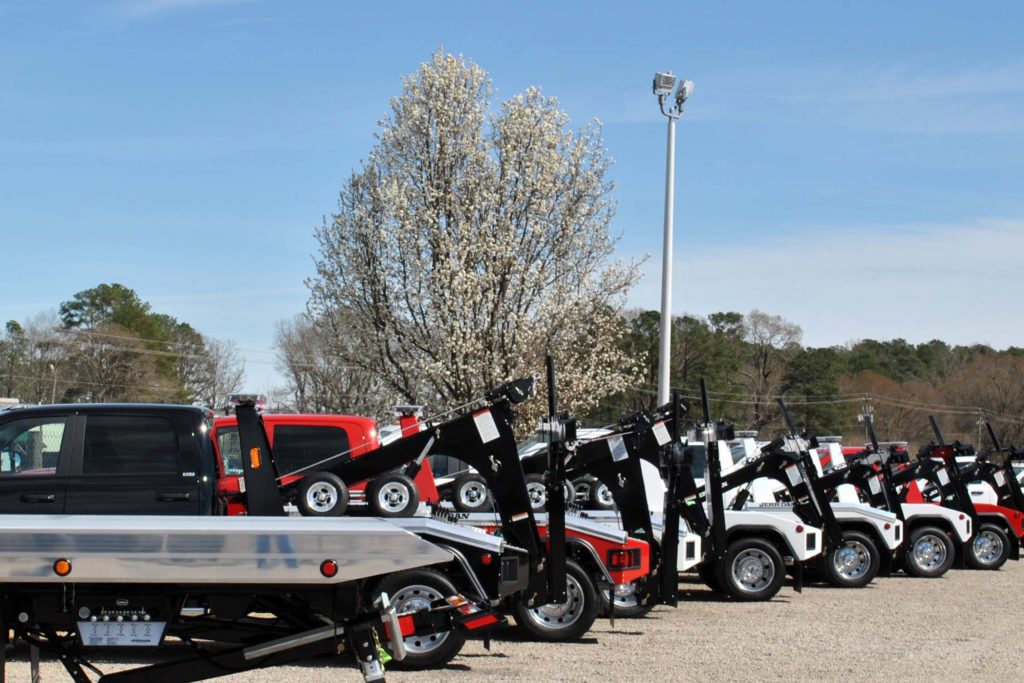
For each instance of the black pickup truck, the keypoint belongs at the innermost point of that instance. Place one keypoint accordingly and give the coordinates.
(107, 459)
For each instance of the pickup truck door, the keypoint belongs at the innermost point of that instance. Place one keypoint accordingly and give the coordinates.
(34, 463)
(133, 464)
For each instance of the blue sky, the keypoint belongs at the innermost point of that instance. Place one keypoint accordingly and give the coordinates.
(855, 167)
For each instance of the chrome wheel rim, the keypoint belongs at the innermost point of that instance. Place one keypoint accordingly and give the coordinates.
(415, 598)
(538, 494)
(929, 552)
(321, 496)
(582, 491)
(988, 548)
(753, 570)
(394, 496)
(625, 596)
(473, 494)
(852, 561)
(557, 616)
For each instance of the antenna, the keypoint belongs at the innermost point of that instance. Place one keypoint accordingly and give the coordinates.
(992, 435)
(705, 404)
(871, 432)
(790, 425)
(938, 432)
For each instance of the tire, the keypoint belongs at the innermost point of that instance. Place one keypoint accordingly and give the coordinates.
(392, 495)
(629, 601)
(412, 591)
(582, 488)
(854, 564)
(928, 553)
(470, 493)
(708, 574)
(752, 570)
(322, 494)
(601, 497)
(566, 621)
(538, 492)
(989, 549)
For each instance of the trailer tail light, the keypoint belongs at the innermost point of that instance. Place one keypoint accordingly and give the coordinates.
(62, 567)
(620, 559)
(329, 568)
(480, 622)
(254, 458)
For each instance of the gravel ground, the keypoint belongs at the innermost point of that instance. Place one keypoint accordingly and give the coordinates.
(966, 625)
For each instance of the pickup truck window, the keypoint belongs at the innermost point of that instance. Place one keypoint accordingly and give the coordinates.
(130, 445)
(295, 446)
(31, 446)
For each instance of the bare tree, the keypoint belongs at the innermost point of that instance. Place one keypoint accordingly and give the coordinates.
(769, 338)
(470, 244)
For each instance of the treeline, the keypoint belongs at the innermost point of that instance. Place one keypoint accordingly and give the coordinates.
(105, 344)
(751, 360)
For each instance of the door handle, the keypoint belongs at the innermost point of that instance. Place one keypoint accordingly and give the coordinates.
(38, 498)
(173, 497)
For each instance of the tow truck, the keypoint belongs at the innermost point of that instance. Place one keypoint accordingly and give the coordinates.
(241, 593)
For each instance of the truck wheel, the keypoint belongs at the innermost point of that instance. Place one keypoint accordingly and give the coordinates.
(537, 491)
(470, 493)
(322, 494)
(601, 497)
(629, 601)
(392, 495)
(562, 621)
(752, 570)
(989, 549)
(854, 564)
(581, 489)
(412, 591)
(928, 552)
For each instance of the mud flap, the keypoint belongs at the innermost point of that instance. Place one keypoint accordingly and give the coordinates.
(798, 577)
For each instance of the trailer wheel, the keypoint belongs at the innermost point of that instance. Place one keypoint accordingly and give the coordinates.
(322, 494)
(601, 497)
(470, 493)
(538, 492)
(412, 591)
(752, 570)
(989, 549)
(562, 621)
(854, 564)
(928, 552)
(392, 495)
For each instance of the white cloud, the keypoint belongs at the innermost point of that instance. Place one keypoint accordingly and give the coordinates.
(959, 283)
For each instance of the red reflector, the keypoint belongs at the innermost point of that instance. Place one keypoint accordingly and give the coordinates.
(888, 526)
(486, 559)
(62, 567)
(407, 625)
(329, 568)
(961, 517)
(480, 622)
(799, 528)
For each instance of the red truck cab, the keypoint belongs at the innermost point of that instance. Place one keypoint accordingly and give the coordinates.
(299, 441)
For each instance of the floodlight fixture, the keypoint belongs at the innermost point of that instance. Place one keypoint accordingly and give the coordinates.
(684, 91)
(664, 81)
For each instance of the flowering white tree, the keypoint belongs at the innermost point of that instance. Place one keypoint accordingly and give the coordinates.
(471, 243)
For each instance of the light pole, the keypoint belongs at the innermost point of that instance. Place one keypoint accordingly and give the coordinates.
(664, 82)
(53, 392)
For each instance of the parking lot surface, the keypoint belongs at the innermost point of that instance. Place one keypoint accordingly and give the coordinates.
(967, 625)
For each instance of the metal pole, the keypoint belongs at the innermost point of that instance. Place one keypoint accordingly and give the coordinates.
(53, 392)
(665, 353)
